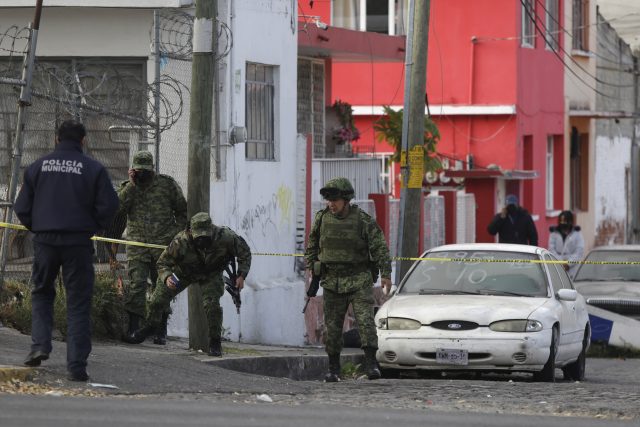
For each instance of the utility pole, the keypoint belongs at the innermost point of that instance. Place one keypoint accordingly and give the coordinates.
(413, 133)
(200, 128)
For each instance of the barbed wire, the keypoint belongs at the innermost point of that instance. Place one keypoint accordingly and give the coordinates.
(14, 40)
(176, 36)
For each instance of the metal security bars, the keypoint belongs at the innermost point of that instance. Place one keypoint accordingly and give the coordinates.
(260, 91)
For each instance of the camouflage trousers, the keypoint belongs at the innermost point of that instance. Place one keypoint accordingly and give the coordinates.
(212, 290)
(335, 308)
(141, 268)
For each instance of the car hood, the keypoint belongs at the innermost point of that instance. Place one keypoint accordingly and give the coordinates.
(480, 309)
(609, 289)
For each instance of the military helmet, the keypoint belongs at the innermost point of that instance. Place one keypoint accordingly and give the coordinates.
(337, 188)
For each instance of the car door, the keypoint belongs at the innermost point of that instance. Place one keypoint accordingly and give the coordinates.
(566, 309)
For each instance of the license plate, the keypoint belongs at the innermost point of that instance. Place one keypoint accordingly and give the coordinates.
(448, 356)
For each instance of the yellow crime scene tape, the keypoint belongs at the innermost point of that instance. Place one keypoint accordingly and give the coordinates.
(468, 260)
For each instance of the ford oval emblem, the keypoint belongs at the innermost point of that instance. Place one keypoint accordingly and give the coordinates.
(454, 326)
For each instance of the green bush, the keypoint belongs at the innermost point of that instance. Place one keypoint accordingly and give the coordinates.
(107, 310)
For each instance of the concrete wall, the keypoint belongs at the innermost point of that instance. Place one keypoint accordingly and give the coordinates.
(614, 138)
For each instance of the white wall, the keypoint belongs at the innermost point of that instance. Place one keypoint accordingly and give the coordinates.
(257, 198)
(612, 159)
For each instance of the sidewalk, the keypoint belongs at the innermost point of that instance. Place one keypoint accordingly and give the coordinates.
(153, 369)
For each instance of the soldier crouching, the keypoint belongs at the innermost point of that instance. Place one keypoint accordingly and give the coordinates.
(196, 256)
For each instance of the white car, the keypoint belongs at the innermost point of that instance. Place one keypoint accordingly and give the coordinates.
(485, 307)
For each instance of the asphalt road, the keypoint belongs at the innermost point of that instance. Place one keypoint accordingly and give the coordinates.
(35, 411)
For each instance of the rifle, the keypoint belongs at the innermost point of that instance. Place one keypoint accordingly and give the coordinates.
(230, 284)
(313, 290)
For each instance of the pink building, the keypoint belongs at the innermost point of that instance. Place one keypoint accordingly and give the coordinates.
(494, 87)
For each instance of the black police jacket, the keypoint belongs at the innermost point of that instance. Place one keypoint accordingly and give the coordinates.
(66, 197)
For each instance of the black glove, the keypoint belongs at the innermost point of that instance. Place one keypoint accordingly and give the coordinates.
(314, 286)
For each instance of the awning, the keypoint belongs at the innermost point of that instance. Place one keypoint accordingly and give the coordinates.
(342, 45)
(588, 114)
(491, 173)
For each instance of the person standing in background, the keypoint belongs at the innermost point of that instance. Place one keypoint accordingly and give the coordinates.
(155, 210)
(66, 197)
(566, 241)
(514, 224)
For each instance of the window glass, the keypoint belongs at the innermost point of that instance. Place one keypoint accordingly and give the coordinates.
(477, 272)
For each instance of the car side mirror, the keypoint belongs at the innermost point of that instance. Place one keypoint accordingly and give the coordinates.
(567, 294)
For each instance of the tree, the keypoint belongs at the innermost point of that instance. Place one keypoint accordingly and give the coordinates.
(389, 128)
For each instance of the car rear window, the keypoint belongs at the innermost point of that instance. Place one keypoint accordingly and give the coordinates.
(476, 272)
(616, 270)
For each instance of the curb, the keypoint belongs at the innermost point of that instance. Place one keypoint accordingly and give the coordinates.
(8, 373)
(298, 368)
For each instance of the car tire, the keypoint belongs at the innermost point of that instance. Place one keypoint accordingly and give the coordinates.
(575, 371)
(548, 372)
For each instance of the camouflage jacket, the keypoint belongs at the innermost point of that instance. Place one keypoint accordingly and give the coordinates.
(190, 264)
(347, 278)
(155, 212)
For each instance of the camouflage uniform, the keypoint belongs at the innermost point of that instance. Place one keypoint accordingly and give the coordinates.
(203, 268)
(350, 249)
(155, 213)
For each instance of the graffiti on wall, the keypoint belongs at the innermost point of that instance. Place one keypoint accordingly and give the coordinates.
(269, 217)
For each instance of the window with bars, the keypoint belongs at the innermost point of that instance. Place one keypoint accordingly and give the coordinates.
(580, 30)
(528, 23)
(259, 111)
(553, 24)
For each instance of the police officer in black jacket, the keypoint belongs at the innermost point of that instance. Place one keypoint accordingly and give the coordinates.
(66, 197)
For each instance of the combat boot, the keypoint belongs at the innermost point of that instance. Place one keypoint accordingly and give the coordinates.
(215, 347)
(161, 334)
(134, 323)
(333, 376)
(370, 364)
(139, 335)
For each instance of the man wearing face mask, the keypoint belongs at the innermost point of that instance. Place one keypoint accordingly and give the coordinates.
(566, 241)
(514, 224)
(197, 256)
(156, 210)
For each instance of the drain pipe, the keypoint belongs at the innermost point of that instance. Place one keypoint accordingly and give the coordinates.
(634, 234)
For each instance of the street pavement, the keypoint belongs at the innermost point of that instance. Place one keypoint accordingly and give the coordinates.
(610, 392)
(152, 369)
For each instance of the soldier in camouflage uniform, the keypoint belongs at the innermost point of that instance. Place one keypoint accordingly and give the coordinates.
(346, 248)
(197, 256)
(156, 210)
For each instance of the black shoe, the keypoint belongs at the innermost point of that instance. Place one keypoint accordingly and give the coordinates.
(330, 377)
(215, 348)
(80, 376)
(333, 376)
(35, 358)
(161, 335)
(160, 340)
(371, 364)
(138, 336)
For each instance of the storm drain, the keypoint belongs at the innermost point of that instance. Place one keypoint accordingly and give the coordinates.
(299, 368)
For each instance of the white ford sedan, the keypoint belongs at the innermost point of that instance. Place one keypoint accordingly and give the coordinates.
(485, 307)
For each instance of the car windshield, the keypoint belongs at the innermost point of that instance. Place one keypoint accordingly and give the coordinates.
(604, 272)
(475, 272)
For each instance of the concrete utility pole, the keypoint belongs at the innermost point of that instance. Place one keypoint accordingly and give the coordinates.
(413, 132)
(200, 128)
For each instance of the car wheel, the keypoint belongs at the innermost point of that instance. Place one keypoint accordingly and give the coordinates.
(548, 372)
(575, 371)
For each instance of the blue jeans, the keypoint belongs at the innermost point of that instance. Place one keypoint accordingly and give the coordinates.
(78, 277)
